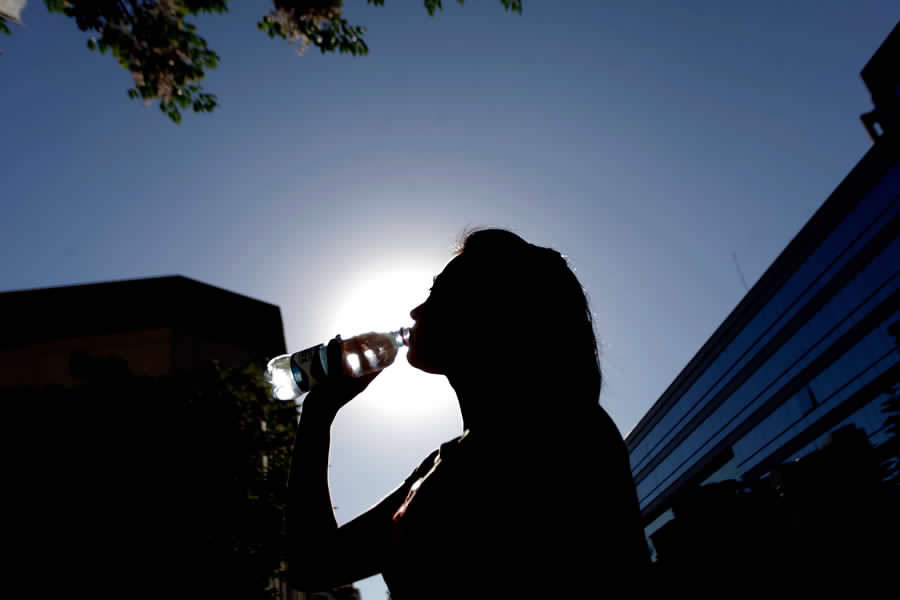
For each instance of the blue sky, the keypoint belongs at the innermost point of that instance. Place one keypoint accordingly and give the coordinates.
(648, 141)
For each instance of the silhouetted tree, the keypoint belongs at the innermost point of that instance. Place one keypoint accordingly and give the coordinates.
(890, 449)
(175, 485)
(4, 27)
(166, 57)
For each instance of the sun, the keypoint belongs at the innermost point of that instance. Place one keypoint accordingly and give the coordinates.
(381, 302)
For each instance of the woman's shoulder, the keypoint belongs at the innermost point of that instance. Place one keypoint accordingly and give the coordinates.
(442, 452)
(587, 427)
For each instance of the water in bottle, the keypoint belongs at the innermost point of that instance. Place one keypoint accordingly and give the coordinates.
(293, 375)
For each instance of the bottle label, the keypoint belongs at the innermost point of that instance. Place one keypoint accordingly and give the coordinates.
(309, 367)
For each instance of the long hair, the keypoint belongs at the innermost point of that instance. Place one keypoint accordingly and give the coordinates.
(533, 304)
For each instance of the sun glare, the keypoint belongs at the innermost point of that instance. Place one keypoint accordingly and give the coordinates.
(382, 302)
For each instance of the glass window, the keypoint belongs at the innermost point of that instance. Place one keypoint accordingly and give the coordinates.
(816, 336)
(869, 418)
(779, 427)
(772, 426)
(856, 360)
(712, 430)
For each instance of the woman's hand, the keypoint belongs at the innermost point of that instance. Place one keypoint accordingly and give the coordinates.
(340, 387)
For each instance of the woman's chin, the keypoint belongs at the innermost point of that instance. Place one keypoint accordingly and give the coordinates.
(419, 363)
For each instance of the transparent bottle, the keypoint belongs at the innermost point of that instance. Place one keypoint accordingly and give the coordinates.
(293, 375)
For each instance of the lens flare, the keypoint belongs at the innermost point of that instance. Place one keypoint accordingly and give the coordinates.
(381, 301)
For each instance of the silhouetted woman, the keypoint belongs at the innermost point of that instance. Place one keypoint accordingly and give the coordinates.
(536, 496)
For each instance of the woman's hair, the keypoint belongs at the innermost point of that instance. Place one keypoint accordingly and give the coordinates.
(533, 305)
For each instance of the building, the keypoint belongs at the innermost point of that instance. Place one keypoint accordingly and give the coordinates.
(69, 335)
(157, 326)
(796, 376)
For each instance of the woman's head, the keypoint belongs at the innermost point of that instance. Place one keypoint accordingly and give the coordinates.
(505, 307)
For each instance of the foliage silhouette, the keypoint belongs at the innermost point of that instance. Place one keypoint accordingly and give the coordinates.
(166, 57)
(4, 28)
(178, 482)
(890, 449)
(810, 523)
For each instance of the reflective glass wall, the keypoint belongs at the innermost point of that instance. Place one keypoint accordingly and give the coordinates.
(808, 385)
(823, 334)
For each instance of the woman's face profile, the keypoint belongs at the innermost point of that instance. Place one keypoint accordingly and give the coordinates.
(437, 327)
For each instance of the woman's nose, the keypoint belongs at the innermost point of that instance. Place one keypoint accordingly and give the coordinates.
(416, 312)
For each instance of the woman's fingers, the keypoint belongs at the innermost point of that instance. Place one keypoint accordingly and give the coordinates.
(344, 381)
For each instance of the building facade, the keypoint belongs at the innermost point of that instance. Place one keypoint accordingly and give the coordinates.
(66, 336)
(803, 366)
(157, 326)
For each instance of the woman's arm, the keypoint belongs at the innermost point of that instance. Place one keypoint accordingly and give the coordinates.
(322, 555)
(310, 517)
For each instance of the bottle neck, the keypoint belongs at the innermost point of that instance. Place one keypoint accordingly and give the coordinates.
(400, 337)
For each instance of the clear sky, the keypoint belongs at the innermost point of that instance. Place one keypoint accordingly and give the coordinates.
(648, 141)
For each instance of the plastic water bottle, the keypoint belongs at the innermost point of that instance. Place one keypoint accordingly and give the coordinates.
(293, 375)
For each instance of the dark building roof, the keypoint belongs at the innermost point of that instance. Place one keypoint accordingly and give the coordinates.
(41, 315)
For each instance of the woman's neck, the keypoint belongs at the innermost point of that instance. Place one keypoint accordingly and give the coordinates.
(497, 408)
